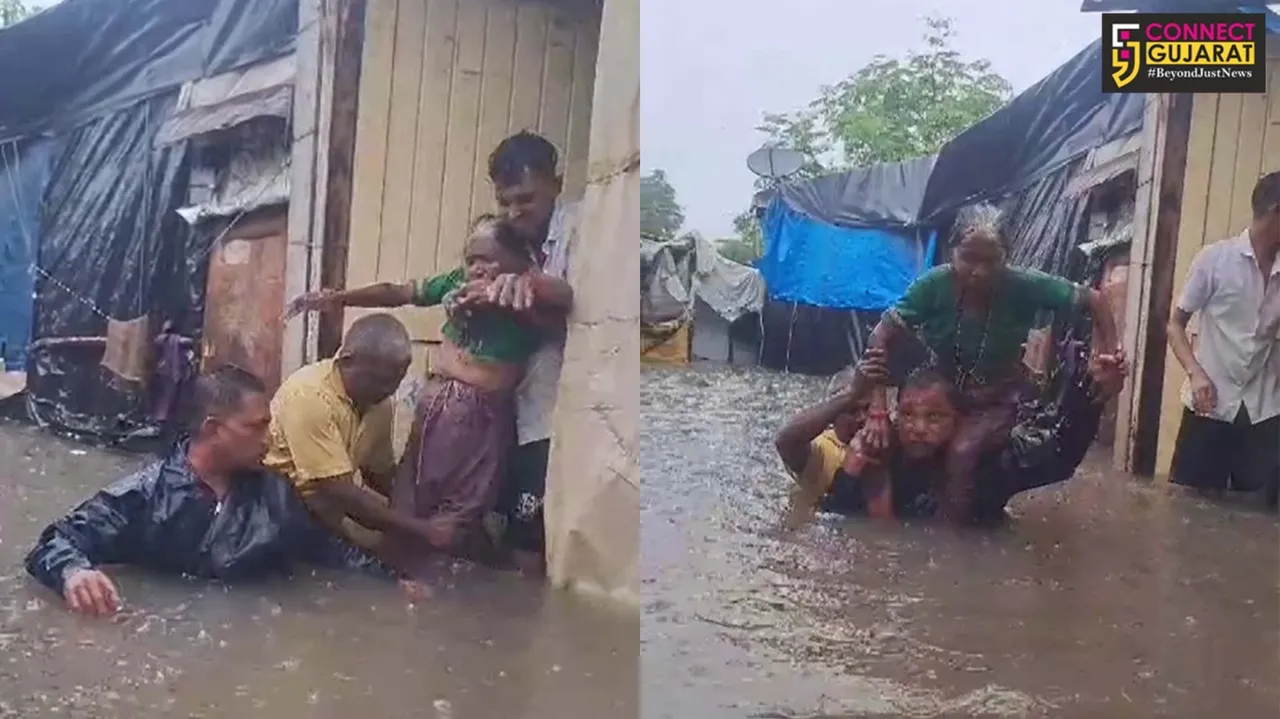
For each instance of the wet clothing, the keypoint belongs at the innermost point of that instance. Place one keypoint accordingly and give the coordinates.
(487, 334)
(520, 499)
(1213, 454)
(165, 519)
(456, 456)
(1045, 446)
(984, 348)
(317, 434)
(826, 454)
(1239, 340)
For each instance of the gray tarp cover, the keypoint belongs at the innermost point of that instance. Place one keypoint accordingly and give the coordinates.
(884, 195)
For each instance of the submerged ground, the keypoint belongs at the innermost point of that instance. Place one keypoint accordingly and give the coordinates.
(1103, 598)
(314, 646)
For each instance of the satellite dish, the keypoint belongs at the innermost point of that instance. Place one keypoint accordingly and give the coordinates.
(774, 163)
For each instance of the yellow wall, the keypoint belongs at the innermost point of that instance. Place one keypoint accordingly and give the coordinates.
(1234, 140)
(442, 82)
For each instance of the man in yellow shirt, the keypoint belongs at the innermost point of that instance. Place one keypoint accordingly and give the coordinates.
(331, 432)
(813, 444)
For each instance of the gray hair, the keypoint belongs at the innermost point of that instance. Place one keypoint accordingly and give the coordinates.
(221, 392)
(983, 218)
(378, 336)
(841, 381)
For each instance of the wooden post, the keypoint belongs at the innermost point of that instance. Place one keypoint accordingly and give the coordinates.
(348, 51)
(1157, 214)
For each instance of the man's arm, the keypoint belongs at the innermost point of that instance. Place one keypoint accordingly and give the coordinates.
(100, 531)
(1195, 295)
(793, 440)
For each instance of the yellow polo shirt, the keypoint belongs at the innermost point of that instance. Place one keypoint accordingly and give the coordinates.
(826, 455)
(317, 435)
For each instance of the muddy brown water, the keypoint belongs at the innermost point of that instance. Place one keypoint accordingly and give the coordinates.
(1104, 597)
(313, 646)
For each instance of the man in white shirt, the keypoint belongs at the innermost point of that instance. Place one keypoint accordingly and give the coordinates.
(1230, 433)
(523, 169)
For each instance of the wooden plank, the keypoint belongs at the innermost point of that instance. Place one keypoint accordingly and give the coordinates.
(1145, 423)
(1222, 170)
(557, 81)
(460, 151)
(437, 73)
(495, 95)
(1138, 289)
(584, 77)
(302, 179)
(341, 150)
(1201, 151)
(371, 142)
(526, 89)
(401, 140)
(1251, 131)
(1271, 141)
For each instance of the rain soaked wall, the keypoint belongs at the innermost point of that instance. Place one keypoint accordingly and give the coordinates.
(593, 487)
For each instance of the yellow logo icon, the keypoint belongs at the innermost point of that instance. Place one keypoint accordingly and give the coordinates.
(1126, 53)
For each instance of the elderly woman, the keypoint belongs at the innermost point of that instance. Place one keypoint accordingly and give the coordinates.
(974, 315)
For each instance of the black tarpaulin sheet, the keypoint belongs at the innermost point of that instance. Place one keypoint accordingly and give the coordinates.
(884, 195)
(1041, 130)
(111, 245)
(24, 170)
(83, 57)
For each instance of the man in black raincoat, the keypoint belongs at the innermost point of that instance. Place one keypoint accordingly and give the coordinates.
(208, 510)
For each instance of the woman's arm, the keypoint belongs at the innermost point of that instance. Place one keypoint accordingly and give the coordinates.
(864, 467)
(1104, 320)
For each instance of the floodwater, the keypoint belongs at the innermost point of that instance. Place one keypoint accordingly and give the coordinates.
(314, 646)
(1105, 597)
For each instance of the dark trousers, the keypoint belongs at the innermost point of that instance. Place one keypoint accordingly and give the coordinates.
(1215, 455)
(521, 497)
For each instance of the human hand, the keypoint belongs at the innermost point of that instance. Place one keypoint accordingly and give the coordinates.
(874, 366)
(416, 591)
(472, 294)
(1204, 395)
(512, 291)
(439, 532)
(875, 431)
(92, 593)
(1108, 373)
(318, 301)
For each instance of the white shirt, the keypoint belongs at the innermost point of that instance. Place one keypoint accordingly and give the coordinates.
(536, 394)
(1239, 328)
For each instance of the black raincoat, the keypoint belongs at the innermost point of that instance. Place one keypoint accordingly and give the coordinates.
(165, 519)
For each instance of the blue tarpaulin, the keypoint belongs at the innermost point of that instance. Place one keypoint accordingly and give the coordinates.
(820, 264)
(24, 170)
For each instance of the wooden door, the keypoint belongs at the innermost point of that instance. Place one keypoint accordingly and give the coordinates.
(242, 315)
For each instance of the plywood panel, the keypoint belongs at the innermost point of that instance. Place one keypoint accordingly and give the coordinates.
(1195, 197)
(437, 77)
(1251, 131)
(1222, 169)
(461, 147)
(443, 82)
(1271, 142)
(371, 142)
(531, 44)
(496, 84)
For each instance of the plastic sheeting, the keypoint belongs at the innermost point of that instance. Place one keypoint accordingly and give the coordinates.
(593, 486)
(820, 264)
(111, 246)
(884, 195)
(84, 57)
(24, 170)
(1047, 126)
(674, 276)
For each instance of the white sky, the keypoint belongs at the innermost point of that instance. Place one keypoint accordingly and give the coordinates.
(710, 68)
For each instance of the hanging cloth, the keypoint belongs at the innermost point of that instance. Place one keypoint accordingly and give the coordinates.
(130, 348)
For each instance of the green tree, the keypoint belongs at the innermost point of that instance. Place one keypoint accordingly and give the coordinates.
(661, 216)
(12, 11)
(888, 111)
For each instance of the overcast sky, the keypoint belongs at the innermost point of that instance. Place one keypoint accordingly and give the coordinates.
(710, 68)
